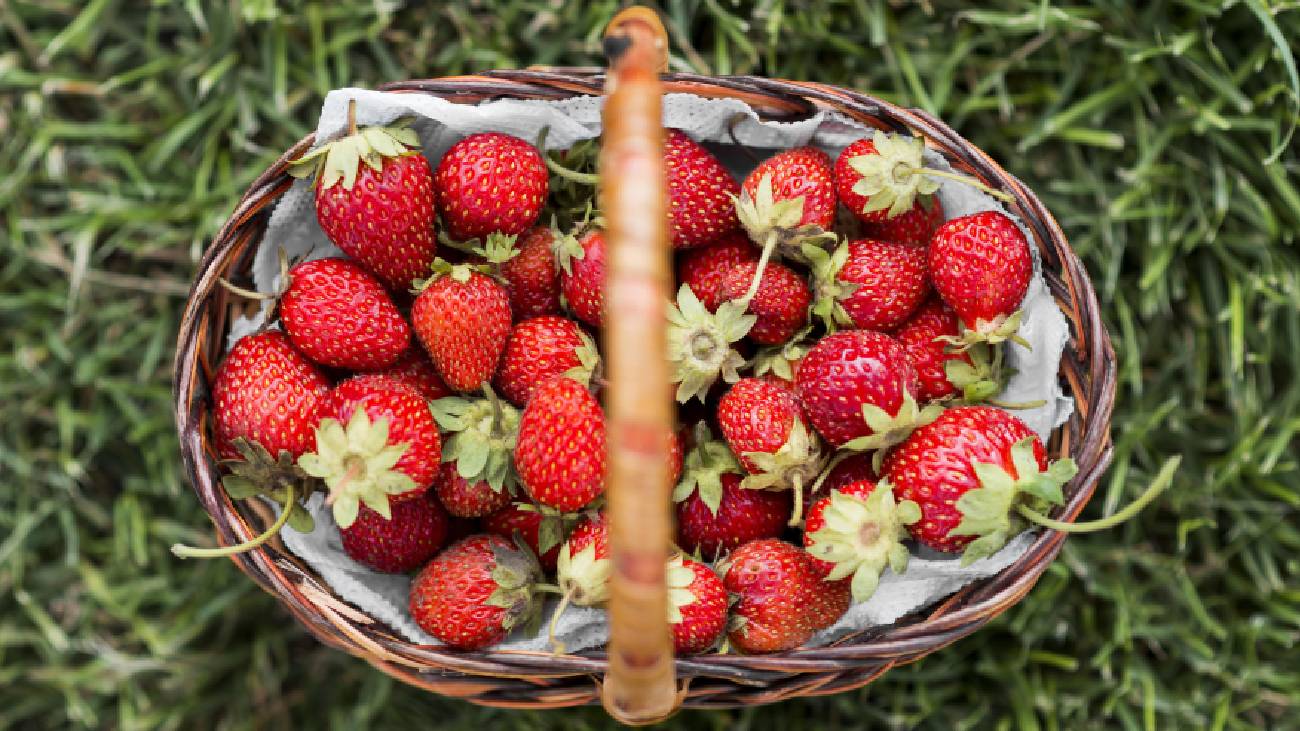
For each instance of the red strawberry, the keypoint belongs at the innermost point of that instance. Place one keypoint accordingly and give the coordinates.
(266, 393)
(583, 568)
(778, 608)
(969, 470)
(490, 183)
(376, 443)
(764, 426)
(702, 269)
(465, 499)
(474, 593)
(582, 274)
(339, 315)
(858, 388)
(415, 533)
(869, 284)
(831, 599)
(780, 303)
(850, 468)
(697, 605)
(981, 265)
(911, 228)
(883, 181)
(532, 277)
(856, 531)
(374, 199)
(414, 368)
(701, 192)
(542, 348)
(675, 456)
(463, 319)
(714, 513)
(560, 454)
(804, 172)
(926, 337)
(540, 529)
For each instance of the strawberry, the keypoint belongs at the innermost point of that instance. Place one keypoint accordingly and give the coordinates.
(374, 199)
(778, 608)
(856, 531)
(801, 179)
(716, 514)
(541, 348)
(868, 284)
(911, 228)
(764, 427)
(467, 499)
(943, 370)
(676, 448)
(582, 274)
(340, 316)
(266, 393)
(867, 184)
(376, 443)
(582, 569)
(541, 529)
(490, 183)
(700, 192)
(848, 468)
(462, 317)
(981, 266)
(700, 343)
(415, 533)
(831, 599)
(702, 268)
(413, 367)
(560, 454)
(858, 388)
(474, 593)
(697, 605)
(532, 277)
(972, 471)
(780, 304)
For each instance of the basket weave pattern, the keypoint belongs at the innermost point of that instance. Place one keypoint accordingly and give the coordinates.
(542, 680)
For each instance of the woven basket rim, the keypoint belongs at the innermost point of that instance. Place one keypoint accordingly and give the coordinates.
(514, 678)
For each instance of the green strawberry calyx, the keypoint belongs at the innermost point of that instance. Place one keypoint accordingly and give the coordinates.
(357, 464)
(679, 577)
(582, 576)
(340, 160)
(704, 467)
(888, 430)
(829, 292)
(861, 536)
(895, 175)
(516, 575)
(699, 343)
(482, 435)
(775, 224)
(460, 273)
(795, 464)
(588, 368)
(994, 332)
(780, 360)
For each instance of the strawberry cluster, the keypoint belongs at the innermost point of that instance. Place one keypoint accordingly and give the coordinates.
(440, 385)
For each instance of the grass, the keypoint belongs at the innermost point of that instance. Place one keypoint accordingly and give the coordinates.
(1159, 133)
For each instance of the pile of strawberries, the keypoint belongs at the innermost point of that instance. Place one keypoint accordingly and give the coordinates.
(831, 337)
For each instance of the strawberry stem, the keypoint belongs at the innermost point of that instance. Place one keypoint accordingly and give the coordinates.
(968, 180)
(1157, 486)
(352, 116)
(557, 647)
(577, 177)
(183, 551)
(245, 293)
(797, 514)
(1016, 404)
(768, 247)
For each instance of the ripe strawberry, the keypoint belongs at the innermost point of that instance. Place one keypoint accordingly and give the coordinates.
(701, 192)
(926, 337)
(582, 274)
(856, 531)
(468, 499)
(541, 529)
(780, 303)
(702, 269)
(376, 443)
(676, 456)
(981, 265)
(764, 427)
(804, 172)
(849, 469)
(462, 317)
(474, 593)
(405, 542)
(542, 348)
(716, 514)
(414, 368)
(869, 284)
(831, 599)
(858, 388)
(883, 181)
(700, 343)
(911, 228)
(583, 568)
(697, 605)
(778, 608)
(339, 315)
(560, 455)
(490, 183)
(374, 199)
(266, 393)
(532, 277)
(969, 471)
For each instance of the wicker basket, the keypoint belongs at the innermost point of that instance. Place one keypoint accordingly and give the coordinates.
(637, 678)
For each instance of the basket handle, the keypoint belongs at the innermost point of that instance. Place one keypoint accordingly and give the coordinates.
(640, 686)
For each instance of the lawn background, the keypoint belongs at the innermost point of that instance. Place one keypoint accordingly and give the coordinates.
(1157, 132)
